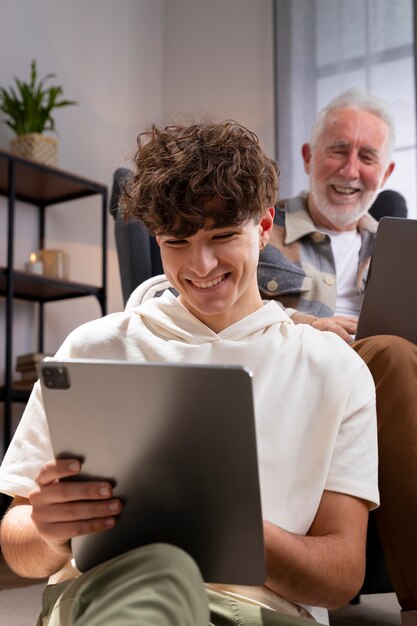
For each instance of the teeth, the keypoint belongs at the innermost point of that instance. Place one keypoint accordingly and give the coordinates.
(209, 283)
(345, 190)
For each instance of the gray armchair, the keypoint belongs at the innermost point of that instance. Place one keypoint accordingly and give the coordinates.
(137, 250)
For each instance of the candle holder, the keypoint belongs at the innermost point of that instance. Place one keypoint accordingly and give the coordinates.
(55, 263)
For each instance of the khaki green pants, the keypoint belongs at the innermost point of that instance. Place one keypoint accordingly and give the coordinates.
(157, 585)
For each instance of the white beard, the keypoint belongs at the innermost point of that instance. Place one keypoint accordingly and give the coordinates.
(340, 217)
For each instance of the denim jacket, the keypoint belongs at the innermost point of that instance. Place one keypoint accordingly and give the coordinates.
(297, 266)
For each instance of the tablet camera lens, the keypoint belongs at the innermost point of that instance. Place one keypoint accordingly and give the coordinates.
(56, 377)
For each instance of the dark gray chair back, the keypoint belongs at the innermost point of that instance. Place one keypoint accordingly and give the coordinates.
(389, 203)
(137, 250)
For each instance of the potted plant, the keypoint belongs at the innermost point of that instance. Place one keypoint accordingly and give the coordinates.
(28, 108)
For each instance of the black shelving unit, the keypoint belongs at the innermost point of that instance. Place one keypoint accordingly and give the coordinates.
(41, 186)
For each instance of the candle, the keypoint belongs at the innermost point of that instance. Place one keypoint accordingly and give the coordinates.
(34, 266)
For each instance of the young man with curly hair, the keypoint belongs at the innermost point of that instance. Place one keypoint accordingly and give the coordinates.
(207, 192)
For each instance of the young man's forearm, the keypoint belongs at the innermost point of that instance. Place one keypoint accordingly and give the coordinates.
(320, 571)
(24, 550)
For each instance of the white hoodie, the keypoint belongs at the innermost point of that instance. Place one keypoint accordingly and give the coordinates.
(314, 398)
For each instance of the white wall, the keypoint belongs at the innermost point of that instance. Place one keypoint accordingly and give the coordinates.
(127, 63)
(108, 56)
(218, 60)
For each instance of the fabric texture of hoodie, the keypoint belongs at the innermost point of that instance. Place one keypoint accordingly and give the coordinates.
(314, 398)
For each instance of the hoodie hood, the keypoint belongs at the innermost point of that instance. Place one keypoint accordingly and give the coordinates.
(156, 302)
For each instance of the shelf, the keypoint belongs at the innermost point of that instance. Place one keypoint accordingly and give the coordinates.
(18, 395)
(37, 184)
(35, 288)
(41, 186)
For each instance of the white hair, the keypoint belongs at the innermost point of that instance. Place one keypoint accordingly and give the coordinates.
(361, 101)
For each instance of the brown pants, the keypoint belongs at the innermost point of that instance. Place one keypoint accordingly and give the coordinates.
(393, 364)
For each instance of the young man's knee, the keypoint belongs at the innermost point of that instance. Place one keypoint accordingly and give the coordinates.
(170, 557)
(160, 558)
(153, 580)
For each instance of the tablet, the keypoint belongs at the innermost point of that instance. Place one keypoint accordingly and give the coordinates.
(389, 304)
(179, 443)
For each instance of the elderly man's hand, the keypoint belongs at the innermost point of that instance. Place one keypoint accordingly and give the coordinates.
(345, 327)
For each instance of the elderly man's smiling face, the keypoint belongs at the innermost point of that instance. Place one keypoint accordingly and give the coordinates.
(347, 167)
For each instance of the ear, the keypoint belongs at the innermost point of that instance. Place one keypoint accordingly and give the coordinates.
(158, 240)
(388, 173)
(306, 153)
(265, 225)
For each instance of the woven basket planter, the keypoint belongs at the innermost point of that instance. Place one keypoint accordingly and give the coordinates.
(36, 147)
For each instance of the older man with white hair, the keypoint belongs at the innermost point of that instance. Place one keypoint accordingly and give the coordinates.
(316, 265)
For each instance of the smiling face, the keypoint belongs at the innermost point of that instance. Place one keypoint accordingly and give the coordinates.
(214, 270)
(347, 167)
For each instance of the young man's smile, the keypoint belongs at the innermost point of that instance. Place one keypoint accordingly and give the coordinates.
(215, 270)
(209, 283)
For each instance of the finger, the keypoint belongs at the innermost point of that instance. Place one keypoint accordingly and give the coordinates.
(69, 491)
(346, 336)
(332, 326)
(67, 530)
(350, 318)
(57, 535)
(351, 330)
(347, 323)
(59, 468)
(343, 333)
(58, 523)
(76, 511)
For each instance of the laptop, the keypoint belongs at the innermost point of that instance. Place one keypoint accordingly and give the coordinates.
(389, 305)
(179, 444)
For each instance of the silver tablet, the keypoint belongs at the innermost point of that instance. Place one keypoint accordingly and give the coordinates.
(179, 443)
(389, 305)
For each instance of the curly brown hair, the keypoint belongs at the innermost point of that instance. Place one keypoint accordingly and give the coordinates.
(179, 169)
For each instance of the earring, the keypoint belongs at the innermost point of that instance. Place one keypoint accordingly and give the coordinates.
(262, 246)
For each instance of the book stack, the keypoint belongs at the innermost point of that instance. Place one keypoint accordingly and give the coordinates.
(26, 366)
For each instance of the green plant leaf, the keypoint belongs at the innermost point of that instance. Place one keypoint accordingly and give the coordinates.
(65, 103)
(28, 107)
